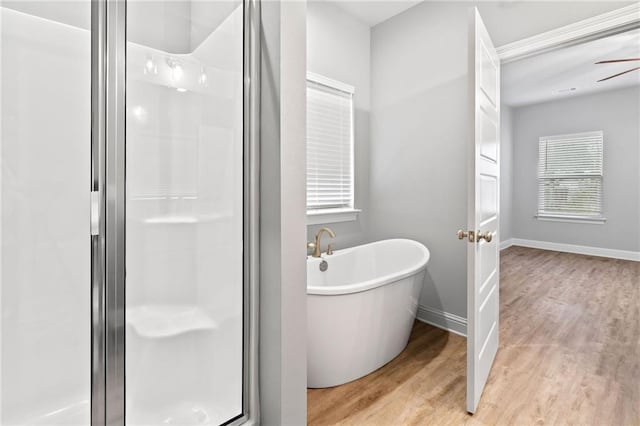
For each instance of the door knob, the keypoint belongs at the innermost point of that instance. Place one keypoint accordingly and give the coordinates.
(487, 236)
(464, 234)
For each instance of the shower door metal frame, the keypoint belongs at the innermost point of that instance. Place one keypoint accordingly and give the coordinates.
(251, 211)
(98, 117)
(115, 199)
(108, 180)
(108, 113)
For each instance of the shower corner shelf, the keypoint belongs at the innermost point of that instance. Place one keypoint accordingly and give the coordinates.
(186, 219)
(162, 321)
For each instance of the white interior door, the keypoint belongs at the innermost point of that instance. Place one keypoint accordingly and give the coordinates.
(483, 287)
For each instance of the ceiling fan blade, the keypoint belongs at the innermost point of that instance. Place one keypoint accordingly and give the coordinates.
(619, 74)
(611, 61)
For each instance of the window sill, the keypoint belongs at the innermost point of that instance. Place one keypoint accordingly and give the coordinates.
(598, 220)
(317, 217)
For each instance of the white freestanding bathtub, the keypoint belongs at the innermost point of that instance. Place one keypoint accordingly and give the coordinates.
(361, 309)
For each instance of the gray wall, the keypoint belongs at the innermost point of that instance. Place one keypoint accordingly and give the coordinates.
(338, 47)
(419, 142)
(617, 114)
(283, 307)
(506, 173)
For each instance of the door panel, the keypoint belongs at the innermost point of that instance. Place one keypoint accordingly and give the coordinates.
(488, 198)
(488, 62)
(488, 266)
(484, 201)
(489, 134)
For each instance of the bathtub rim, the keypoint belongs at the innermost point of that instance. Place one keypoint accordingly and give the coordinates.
(375, 282)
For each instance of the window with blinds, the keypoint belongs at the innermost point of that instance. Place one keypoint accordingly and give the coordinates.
(330, 179)
(570, 176)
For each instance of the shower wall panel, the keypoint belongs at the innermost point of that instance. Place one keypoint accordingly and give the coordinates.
(45, 251)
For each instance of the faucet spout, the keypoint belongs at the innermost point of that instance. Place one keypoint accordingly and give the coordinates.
(327, 230)
(316, 245)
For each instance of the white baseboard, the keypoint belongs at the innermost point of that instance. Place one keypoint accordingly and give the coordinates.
(444, 320)
(571, 248)
(506, 243)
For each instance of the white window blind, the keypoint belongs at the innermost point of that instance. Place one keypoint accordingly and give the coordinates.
(329, 144)
(570, 175)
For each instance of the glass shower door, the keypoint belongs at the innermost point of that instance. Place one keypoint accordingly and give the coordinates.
(45, 250)
(184, 212)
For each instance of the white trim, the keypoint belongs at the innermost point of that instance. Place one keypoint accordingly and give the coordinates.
(506, 243)
(444, 320)
(317, 217)
(599, 26)
(571, 248)
(596, 220)
(583, 135)
(329, 82)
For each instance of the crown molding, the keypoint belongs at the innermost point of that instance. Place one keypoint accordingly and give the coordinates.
(614, 22)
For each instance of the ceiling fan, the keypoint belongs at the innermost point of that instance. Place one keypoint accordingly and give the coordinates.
(611, 61)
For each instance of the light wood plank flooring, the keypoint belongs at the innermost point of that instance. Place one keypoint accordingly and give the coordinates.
(569, 354)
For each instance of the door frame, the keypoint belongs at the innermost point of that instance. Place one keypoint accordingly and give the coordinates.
(108, 190)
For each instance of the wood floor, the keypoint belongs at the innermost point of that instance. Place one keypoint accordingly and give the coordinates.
(569, 354)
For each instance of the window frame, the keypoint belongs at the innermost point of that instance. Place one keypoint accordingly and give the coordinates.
(343, 213)
(574, 218)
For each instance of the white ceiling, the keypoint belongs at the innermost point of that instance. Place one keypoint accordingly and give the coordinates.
(540, 78)
(176, 26)
(374, 12)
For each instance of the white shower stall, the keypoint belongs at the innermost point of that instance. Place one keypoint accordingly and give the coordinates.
(127, 212)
